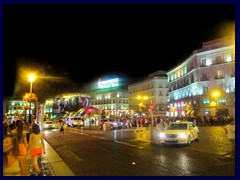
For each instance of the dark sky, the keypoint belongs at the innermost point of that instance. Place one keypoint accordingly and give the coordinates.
(89, 41)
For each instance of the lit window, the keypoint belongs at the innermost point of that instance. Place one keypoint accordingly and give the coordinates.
(206, 102)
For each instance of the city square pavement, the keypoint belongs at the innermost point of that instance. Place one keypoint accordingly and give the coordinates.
(51, 164)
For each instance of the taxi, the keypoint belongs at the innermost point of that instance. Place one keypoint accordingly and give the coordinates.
(48, 125)
(179, 132)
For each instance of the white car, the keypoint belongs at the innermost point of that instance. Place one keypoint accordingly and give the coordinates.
(48, 125)
(179, 133)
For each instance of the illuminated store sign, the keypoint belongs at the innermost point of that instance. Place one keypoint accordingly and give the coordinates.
(108, 84)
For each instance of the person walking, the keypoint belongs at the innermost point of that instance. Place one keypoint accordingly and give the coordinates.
(13, 163)
(230, 131)
(61, 128)
(21, 137)
(37, 147)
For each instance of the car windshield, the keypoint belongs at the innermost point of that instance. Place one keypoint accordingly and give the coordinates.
(49, 122)
(177, 127)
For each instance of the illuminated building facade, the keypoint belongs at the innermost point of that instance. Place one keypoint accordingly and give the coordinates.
(17, 108)
(67, 102)
(155, 89)
(193, 82)
(110, 98)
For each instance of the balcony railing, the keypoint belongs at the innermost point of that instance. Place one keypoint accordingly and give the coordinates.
(204, 79)
(219, 77)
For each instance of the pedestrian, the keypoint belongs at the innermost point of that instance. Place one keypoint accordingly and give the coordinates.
(161, 125)
(13, 163)
(230, 131)
(37, 147)
(21, 137)
(6, 129)
(61, 128)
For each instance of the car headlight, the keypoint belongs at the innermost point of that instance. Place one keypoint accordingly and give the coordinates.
(45, 125)
(182, 135)
(162, 135)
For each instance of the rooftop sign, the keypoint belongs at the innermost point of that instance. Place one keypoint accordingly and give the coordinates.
(108, 84)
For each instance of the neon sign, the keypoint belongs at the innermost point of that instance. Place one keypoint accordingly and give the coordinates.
(108, 84)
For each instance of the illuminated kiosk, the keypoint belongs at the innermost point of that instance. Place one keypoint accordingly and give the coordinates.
(64, 104)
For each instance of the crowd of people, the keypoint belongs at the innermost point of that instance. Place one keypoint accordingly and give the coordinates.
(21, 139)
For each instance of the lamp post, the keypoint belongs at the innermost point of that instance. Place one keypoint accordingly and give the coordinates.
(215, 95)
(31, 78)
(142, 98)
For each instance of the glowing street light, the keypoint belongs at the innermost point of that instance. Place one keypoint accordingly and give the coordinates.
(142, 105)
(31, 78)
(216, 95)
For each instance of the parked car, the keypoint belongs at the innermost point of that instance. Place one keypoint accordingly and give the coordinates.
(48, 125)
(179, 133)
(113, 123)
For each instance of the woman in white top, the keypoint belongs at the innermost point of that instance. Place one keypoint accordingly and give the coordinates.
(36, 146)
(13, 164)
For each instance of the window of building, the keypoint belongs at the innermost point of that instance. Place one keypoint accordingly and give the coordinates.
(192, 78)
(206, 102)
(222, 101)
(179, 74)
(208, 62)
(205, 89)
(204, 77)
(218, 59)
(175, 76)
(219, 74)
(203, 62)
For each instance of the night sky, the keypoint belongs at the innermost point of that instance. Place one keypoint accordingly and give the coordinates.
(87, 42)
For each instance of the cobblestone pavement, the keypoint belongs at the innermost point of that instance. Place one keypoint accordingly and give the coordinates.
(45, 165)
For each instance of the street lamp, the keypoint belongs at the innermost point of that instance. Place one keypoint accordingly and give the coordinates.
(31, 78)
(216, 95)
(142, 98)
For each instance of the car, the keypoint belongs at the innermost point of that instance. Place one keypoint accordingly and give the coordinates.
(179, 132)
(113, 123)
(48, 125)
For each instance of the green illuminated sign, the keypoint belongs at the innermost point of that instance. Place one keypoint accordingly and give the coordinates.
(108, 84)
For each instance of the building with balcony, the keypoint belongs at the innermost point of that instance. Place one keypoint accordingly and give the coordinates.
(193, 82)
(155, 89)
